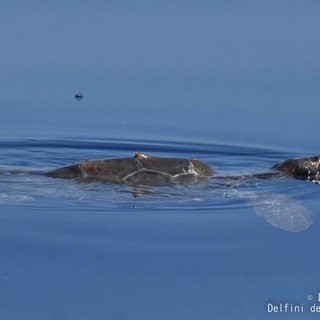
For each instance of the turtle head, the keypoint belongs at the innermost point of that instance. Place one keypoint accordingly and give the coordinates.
(302, 169)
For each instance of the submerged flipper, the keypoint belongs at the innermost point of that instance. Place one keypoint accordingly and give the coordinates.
(281, 211)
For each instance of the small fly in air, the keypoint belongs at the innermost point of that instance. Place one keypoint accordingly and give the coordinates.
(78, 96)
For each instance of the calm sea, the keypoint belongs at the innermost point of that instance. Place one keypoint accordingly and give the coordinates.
(234, 83)
(74, 250)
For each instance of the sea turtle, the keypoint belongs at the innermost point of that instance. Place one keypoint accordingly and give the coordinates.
(143, 169)
(280, 210)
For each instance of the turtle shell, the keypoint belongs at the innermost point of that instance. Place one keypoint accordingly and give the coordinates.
(141, 169)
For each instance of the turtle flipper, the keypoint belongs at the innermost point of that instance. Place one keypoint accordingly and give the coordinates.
(281, 211)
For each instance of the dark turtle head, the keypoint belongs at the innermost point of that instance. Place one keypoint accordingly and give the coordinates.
(303, 169)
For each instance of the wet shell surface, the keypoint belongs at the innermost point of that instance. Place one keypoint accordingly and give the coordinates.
(140, 169)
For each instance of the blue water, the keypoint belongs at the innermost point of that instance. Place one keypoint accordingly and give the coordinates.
(77, 251)
(235, 84)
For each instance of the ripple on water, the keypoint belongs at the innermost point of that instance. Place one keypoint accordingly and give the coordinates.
(9, 198)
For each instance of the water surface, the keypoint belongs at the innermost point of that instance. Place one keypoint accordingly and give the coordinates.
(76, 250)
(233, 83)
